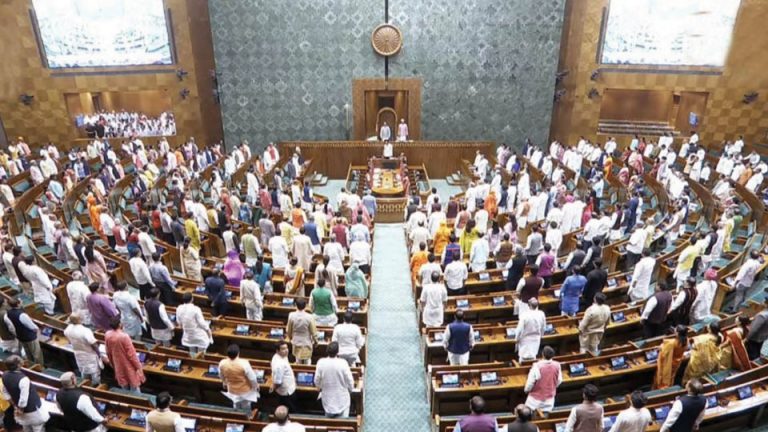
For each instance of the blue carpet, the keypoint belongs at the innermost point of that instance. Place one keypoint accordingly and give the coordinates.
(395, 381)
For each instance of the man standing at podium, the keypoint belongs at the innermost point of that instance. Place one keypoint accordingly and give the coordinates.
(385, 133)
(402, 131)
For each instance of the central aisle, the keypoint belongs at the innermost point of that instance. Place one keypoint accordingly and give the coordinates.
(395, 385)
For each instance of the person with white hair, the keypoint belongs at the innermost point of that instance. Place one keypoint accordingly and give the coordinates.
(85, 347)
(78, 292)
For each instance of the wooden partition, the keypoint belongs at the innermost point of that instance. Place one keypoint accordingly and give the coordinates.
(441, 158)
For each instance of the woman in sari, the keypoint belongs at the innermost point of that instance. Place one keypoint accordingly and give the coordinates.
(468, 236)
(607, 166)
(441, 238)
(190, 260)
(417, 260)
(491, 206)
(262, 274)
(670, 356)
(705, 353)
(733, 353)
(355, 285)
(294, 278)
(234, 268)
(96, 268)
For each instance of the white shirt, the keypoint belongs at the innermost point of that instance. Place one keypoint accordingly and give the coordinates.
(282, 375)
(279, 249)
(641, 279)
(147, 244)
(107, 223)
(289, 426)
(632, 420)
(140, 271)
(555, 238)
(433, 297)
(334, 379)
(636, 242)
(35, 417)
(78, 292)
(455, 274)
(349, 337)
(360, 253)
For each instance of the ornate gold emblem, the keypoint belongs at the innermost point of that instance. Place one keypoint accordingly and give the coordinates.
(386, 40)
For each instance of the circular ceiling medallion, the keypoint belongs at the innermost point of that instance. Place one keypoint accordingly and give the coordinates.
(386, 39)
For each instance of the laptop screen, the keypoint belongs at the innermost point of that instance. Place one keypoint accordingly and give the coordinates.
(652, 355)
(711, 401)
(142, 356)
(612, 282)
(213, 370)
(498, 300)
(745, 392)
(174, 363)
(50, 396)
(662, 412)
(619, 317)
(618, 362)
(276, 332)
(242, 328)
(138, 415)
(576, 368)
(450, 379)
(488, 377)
(233, 427)
(462, 303)
(287, 301)
(305, 378)
(353, 305)
(47, 331)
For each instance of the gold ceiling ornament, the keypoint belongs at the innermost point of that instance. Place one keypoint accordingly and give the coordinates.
(387, 40)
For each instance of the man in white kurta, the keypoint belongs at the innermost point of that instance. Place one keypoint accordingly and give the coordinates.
(350, 339)
(434, 296)
(701, 309)
(478, 255)
(530, 329)
(85, 347)
(253, 187)
(640, 287)
(196, 333)
(419, 235)
(302, 249)
(385, 133)
(278, 247)
(336, 254)
(78, 292)
(42, 288)
(250, 296)
(333, 378)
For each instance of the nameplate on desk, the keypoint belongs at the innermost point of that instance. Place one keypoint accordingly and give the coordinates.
(173, 365)
(242, 329)
(276, 333)
(462, 304)
(287, 301)
(484, 276)
(498, 301)
(353, 306)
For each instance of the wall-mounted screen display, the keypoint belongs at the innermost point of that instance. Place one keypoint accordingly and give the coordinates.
(664, 32)
(93, 33)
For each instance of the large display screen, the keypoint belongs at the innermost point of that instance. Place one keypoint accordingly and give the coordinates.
(92, 33)
(669, 32)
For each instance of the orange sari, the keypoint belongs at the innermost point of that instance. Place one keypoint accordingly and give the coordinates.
(670, 357)
(417, 260)
(490, 205)
(442, 236)
(733, 353)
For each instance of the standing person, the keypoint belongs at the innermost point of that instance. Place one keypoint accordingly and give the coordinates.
(283, 422)
(85, 347)
(477, 420)
(758, 333)
(283, 380)
(530, 330)
(196, 333)
(162, 419)
(77, 292)
(77, 407)
(322, 302)
(141, 273)
(25, 330)
(130, 311)
(704, 354)
(162, 280)
(100, 307)
(23, 395)
(8, 341)
(636, 245)
(636, 418)
(523, 420)
(670, 357)
(543, 379)
(571, 292)
(687, 412)
(588, 415)
(743, 282)
(122, 356)
(458, 340)
(250, 297)
(42, 288)
(528, 288)
(301, 332)
(333, 378)
(640, 287)
(355, 284)
(654, 317)
(597, 279)
(733, 353)
(516, 268)
(593, 325)
(433, 298)
(190, 260)
(160, 325)
(349, 338)
(240, 380)
(456, 274)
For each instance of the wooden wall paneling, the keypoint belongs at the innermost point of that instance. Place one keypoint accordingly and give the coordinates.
(412, 87)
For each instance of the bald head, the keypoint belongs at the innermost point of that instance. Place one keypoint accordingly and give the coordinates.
(75, 318)
(533, 303)
(281, 414)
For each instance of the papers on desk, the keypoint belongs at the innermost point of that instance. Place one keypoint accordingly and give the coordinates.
(556, 293)
(51, 407)
(484, 276)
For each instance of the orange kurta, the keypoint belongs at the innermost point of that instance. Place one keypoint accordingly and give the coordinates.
(417, 260)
